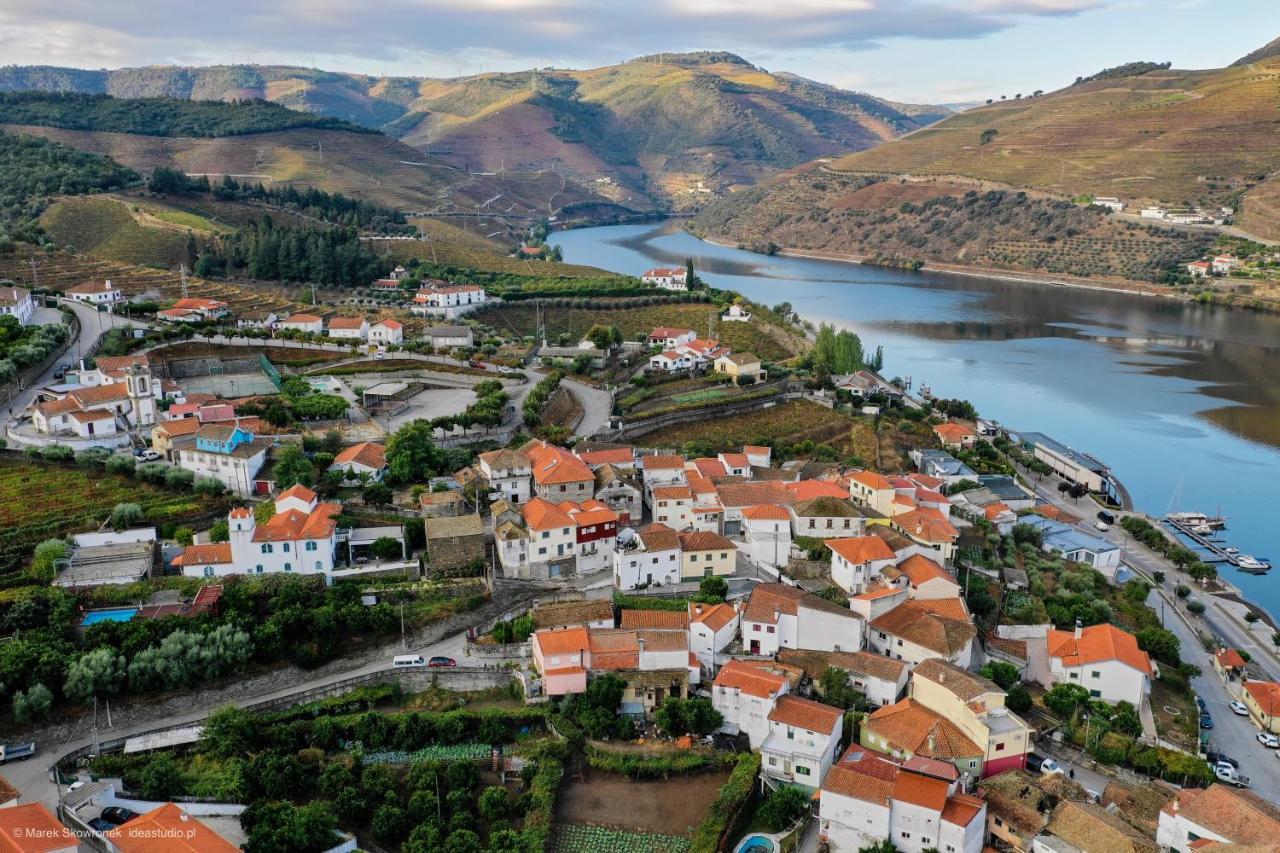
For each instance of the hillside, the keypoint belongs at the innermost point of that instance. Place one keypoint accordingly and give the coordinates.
(1164, 136)
(670, 129)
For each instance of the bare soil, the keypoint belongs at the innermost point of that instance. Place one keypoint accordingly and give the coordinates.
(672, 806)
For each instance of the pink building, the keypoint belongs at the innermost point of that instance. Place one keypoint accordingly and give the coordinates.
(562, 656)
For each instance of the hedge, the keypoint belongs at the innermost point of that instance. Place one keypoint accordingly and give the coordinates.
(728, 805)
(642, 766)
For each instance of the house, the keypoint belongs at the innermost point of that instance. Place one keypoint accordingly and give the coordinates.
(32, 828)
(116, 401)
(923, 578)
(955, 435)
(194, 310)
(758, 455)
(1077, 545)
(976, 706)
(1103, 659)
(915, 805)
(448, 300)
(673, 506)
(164, 434)
(227, 452)
(661, 470)
(873, 490)
(802, 742)
(858, 561)
(942, 465)
(448, 337)
(734, 464)
(767, 530)
(619, 489)
(781, 616)
(596, 534)
(551, 546)
(1199, 269)
(667, 278)
(672, 360)
(670, 337)
(509, 472)
(1220, 813)
(1224, 264)
(557, 474)
(826, 516)
(16, 302)
(587, 613)
(180, 831)
(349, 328)
(301, 537)
(881, 680)
(1229, 664)
(386, 332)
(1069, 464)
(1021, 804)
(455, 544)
(441, 504)
(907, 729)
(712, 627)
(930, 529)
(367, 458)
(563, 356)
(652, 557)
(96, 293)
(596, 454)
(1115, 205)
(736, 314)
(743, 367)
(745, 695)
(562, 656)
(703, 554)
(308, 323)
(1262, 698)
(916, 630)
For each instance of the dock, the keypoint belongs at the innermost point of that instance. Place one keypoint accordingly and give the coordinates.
(1216, 552)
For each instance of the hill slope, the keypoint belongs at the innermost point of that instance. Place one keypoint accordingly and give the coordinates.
(669, 128)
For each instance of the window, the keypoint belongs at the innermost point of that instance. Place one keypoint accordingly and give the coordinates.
(771, 629)
(802, 770)
(288, 567)
(258, 569)
(1075, 675)
(266, 549)
(542, 551)
(208, 571)
(756, 627)
(285, 547)
(311, 546)
(773, 762)
(905, 834)
(1095, 674)
(319, 566)
(693, 558)
(546, 534)
(999, 746)
(724, 555)
(791, 733)
(1096, 694)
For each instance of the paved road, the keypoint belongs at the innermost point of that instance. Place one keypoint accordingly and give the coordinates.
(597, 405)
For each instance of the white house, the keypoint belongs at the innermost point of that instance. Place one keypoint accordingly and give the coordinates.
(712, 627)
(736, 314)
(127, 399)
(448, 337)
(651, 558)
(1199, 269)
(227, 452)
(509, 472)
(767, 531)
(667, 278)
(1224, 264)
(300, 538)
(917, 805)
(802, 742)
(308, 323)
(671, 360)
(922, 578)
(449, 300)
(670, 337)
(1219, 813)
(349, 328)
(661, 471)
(1115, 205)
(825, 517)
(386, 332)
(857, 562)
(744, 693)
(619, 489)
(367, 458)
(917, 630)
(96, 293)
(552, 541)
(782, 616)
(194, 310)
(1103, 659)
(673, 506)
(17, 303)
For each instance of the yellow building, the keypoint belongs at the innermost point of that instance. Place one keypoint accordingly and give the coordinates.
(742, 366)
(1262, 698)
(704, 553)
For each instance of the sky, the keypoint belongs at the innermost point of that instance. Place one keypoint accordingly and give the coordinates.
(925, 51)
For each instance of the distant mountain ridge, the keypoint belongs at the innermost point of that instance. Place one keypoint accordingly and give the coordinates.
(669, 127)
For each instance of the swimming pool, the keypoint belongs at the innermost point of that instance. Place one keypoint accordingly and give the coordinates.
(757, 844)
(118, 614)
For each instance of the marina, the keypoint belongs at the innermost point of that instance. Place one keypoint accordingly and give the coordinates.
(1202, 531)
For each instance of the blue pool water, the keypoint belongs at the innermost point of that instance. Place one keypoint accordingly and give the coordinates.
(93, 617)
(756, 844)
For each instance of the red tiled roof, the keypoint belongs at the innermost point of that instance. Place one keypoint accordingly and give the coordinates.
(615, 456)
(714, 616)
(920, 790)
(561, 641)
(1266, 694)
(668, 619)
(541, 514)
(654, 463)
(554, 465)
(928, 524)
(299, 491)
(366, 453)
(768, 598)
(673, 493)
(911, 727)
(954, 433)
(703, 540)
(168, 829)
(871, 480)
(766, 512)
(1242, 817)
(347, 322)
(710, 467)
(389, 324)
(805, 714)
(32, 828)
(663, 332)
(962, 809)
(1098, 643)
(208, 554)
(749, 679)
(807, 490)
(861, 549)
(659, 537)
(302, 318)
(735, 460)
(1230, 658)
(940, 625)
(920, 569)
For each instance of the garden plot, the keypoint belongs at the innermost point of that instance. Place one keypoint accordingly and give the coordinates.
(670, 807)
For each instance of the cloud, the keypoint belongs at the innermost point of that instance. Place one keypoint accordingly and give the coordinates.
(430, 37)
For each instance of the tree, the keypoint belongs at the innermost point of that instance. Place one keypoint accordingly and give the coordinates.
(1003, 674)
(125, 515)
(411, 453)
(1195, 607)
(493, 803)
(220, 532)
(228, 732)
(1063, 699)
(603, 337)
(293, 468)
(987, 135)
(885, 846)
(1125, 719)
(1161, 644)
(1018, 700)
(389, 823)
(782, 806)
(713, 590)
(1182, 591)
(1158, 577)
(47, 555)
(161, 778)
(386, 548)
(1251, 617)
(836, 689)
(377, 494)
(100, 671)
(462, 841)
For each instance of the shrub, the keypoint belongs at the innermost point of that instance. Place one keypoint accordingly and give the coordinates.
(727, 805)
(782, 806)
(121, 465)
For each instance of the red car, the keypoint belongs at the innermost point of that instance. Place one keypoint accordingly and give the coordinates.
(442, 661)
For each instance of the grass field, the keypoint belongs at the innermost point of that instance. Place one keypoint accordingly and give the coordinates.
(106, 228)
(770, 343)
(40, 501)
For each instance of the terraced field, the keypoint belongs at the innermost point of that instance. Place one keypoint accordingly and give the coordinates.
(106, 228)
(455, 246)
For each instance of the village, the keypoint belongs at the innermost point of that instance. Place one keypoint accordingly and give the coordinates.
(921, 657)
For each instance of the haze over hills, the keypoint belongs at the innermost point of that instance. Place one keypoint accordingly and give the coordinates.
(668, 129)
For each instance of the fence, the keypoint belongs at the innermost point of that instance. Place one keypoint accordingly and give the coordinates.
(270, 369)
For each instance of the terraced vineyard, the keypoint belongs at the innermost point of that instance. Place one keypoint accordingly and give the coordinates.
(576, 838)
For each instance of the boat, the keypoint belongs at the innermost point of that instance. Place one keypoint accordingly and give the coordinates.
(1202, 529)
(1249, 563)
(1231, 551)
(1197, 519)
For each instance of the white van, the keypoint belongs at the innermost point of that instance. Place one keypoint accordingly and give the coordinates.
(409, 660)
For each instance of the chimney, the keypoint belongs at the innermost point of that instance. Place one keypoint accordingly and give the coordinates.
(933, 742)
(777, 614)
(1079, 628)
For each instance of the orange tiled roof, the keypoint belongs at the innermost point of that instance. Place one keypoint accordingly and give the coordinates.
(805, 714)
(953, 433)
(871, 480)
(1242, 817)
(168, 829)
(208, 554)
(863, 775)
(559, 641)
(735, 460)
(754, 494)
(940, 625)
(766, 512)
(366, 453)
(768, 598)
(1266, 694)
(654, 463)
(32, 828)
(962, 809)
(910, 726)
(185, 426)
(616, 456)
(928, 524)
(750, 679)
(540, 514)
(807, 490)
(920, 790)
(861, 549)
(302, 318)
(347, 322)
(920, 569)
(1230, 658)
(995, 510)
(1098, 643)
(659, 537)
(299, 491)
(670, 619)
(672, 493)
(554, 465)
(704, 540)
(714, 616)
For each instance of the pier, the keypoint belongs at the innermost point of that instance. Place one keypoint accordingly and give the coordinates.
(1216, 552)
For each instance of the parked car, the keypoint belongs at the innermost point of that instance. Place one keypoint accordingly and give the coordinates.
(1106, 517)
(408, 660)
(1040, 764)
(1102, 525)
(1226, 773)
(1221, 758)
(441, 660)
(17, 752)
(117, 815)
(101, 825)
(1269, 740)
(1238, 708)
(150, 455)
(1206, 722)
(1200, 704)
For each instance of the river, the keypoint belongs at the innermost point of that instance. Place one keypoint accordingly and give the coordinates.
(1182, 401)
